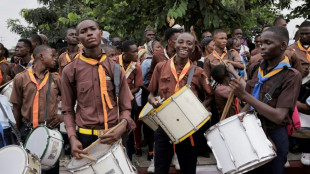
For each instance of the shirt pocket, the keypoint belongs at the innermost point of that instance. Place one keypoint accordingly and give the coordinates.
(165, 83)
(85, 94)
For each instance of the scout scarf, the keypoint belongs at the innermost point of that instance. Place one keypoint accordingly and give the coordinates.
(103, 85)
(174, 72)
(29, 63)
(304, 50)
(216, 55)
(68, 57)
(35, 109)
(130, 67)
(263, 78)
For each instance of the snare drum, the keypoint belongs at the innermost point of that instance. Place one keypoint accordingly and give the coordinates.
(180, 115)
(147, 118)
(7, 90)
(47, 144)
(304, 131)
(16, 160)
(239, 146)
(111, 159)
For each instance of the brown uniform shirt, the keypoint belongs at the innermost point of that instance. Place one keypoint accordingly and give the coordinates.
(163, 81)
(221, 94)
(293, 52)
(80, 82)
(211, 61)
(16, 69)
(162, 56)
(24, 91)
(135, 78)
(285, 95)
(63, 62)
(6, 68)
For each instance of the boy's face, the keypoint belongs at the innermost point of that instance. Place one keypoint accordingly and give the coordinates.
(89, 34)
(237, 45)
(220, 40)
(304, 34)
(272, 45)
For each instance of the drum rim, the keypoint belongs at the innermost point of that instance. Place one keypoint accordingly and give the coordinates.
(25, 155)
(94, 162)
(142, 111)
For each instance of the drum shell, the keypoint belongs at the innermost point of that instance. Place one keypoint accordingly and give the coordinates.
(47, 144)
(113, 160)
(7, 90)
(147, 118)
(181, 115)
(31, 163)
(304, 131)
(243, 142)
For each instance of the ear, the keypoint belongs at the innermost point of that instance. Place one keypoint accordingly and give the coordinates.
(284, 45)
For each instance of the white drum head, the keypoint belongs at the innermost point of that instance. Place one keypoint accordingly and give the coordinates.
(13, 160)
(37, 141)
(98, 151)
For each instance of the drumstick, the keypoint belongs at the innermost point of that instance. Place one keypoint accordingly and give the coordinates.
(88, 157)
(228, 103)
(109, 131)
(6, 84)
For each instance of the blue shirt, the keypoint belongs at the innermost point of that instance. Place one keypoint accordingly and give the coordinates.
(145, 66)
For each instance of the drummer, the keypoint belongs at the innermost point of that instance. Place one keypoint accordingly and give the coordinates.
(29, 101)
(72, 51)
(164, 83)
(81, 82)
(275, 114)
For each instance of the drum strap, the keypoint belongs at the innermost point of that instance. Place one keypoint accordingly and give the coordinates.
(116, 84)
(190, 76)
(48, 96)
(2, 135)
(13, 126)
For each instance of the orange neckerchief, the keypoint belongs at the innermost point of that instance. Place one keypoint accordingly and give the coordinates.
(217, 56)
(68, 57)
(174, 72)
(1, 77)
(103, 86)
(121, 62)
(35, 109)
(177, 86)
(304, 50)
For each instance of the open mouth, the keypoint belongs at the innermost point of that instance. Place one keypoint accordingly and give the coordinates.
(183, 52)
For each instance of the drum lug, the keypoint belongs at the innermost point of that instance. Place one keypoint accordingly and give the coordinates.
(33, 170)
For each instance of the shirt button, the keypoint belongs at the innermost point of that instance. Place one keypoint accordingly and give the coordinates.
(95, 79)
(99, 113)
(97, 97)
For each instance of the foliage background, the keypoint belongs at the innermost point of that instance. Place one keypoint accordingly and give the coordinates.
(129, 18)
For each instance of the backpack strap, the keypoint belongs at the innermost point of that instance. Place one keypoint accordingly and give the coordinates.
(116, 78)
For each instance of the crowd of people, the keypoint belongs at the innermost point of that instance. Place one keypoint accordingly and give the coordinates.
(83, 80)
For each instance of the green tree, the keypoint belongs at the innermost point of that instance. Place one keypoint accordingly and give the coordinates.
(128, 18)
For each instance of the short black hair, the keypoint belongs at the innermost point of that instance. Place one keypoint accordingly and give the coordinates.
(236, 29)
(230, 42)
(276, 20)
(1, 46)
(39, 49)
(36, 38)
(170, 32)
(85, 19)
(280, 31)
(68, 30)
(217, 73)
(126, 45)
(215, 32)
(6, 52)
(305, 24)
(205, 42)
(26, 42)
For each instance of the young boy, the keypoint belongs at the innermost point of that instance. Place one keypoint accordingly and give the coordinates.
(275, 114)
(168, 77)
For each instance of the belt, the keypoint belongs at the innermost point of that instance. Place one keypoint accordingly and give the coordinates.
(90, 131)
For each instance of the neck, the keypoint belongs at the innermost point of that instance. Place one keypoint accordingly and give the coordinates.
(180, 61)
(274, 62)
(39, 69)
(94, 53)
(170, 51)
(26, 58)
(72, 49)
(206, 53)
(219, 50)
